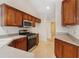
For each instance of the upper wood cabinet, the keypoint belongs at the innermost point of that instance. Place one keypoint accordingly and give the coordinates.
(69, 11)
(25, 16)
(18, 16)
(31, 18)
(77, 7)
(10, 20)
(10, 16)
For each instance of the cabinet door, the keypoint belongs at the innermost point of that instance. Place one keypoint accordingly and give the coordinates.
(77, 7)
(33, 21)
(13, 44)
(18, 20)
(78, 52)
(69, 50)
(10, 21)
(30, 18)
(21, 44)
(58, 48)
(69, 12)
(25, 16)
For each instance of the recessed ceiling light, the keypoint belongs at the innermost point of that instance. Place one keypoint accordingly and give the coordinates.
(48, 8)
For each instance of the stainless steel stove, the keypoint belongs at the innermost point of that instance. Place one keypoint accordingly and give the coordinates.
(31, 38)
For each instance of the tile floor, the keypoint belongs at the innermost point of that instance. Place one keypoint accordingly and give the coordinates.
(44, 49)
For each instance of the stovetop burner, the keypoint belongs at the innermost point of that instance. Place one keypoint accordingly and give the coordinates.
(21, 32)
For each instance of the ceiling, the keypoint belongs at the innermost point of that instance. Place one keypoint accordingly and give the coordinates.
(44, 8)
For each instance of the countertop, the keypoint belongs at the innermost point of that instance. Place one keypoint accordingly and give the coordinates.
(6, 39)
(68, 38)
(10, 52)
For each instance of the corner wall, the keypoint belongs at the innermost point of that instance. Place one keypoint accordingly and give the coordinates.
(73, 30)
(58, 19)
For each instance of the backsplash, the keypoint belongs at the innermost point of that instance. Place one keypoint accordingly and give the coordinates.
(8, 30)
(74, 31)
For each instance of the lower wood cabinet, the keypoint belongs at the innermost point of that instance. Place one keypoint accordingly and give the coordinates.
(19, 43)
(58, 48)
(78, 52)
(23, 43)
(66, 50)
(69, 50)
(13, 44)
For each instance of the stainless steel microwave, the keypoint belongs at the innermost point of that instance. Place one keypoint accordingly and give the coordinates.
(27, 23)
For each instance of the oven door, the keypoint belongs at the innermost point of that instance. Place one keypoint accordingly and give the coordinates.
(31, 43)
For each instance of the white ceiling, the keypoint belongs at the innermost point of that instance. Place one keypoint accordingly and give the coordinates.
(40, 7)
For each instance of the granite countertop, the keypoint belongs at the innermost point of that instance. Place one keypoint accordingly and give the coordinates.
(68, 38)
(6, 39)
(10, 52)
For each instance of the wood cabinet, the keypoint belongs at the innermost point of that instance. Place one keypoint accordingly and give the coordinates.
(65, 50)
(10, 20)
(69, 50)
(10, 16)
(78, 52)
(58, 48)
(32, 19)
(77, 11)
(18, 20)
(24, 43)
(33, 22)
(25, 16)
(69, 11)
(13, 44)
(19, 43)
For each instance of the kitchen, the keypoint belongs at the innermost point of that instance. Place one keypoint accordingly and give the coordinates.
(29, 27)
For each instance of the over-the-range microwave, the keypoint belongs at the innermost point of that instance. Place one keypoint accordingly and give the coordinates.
(26, 24)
